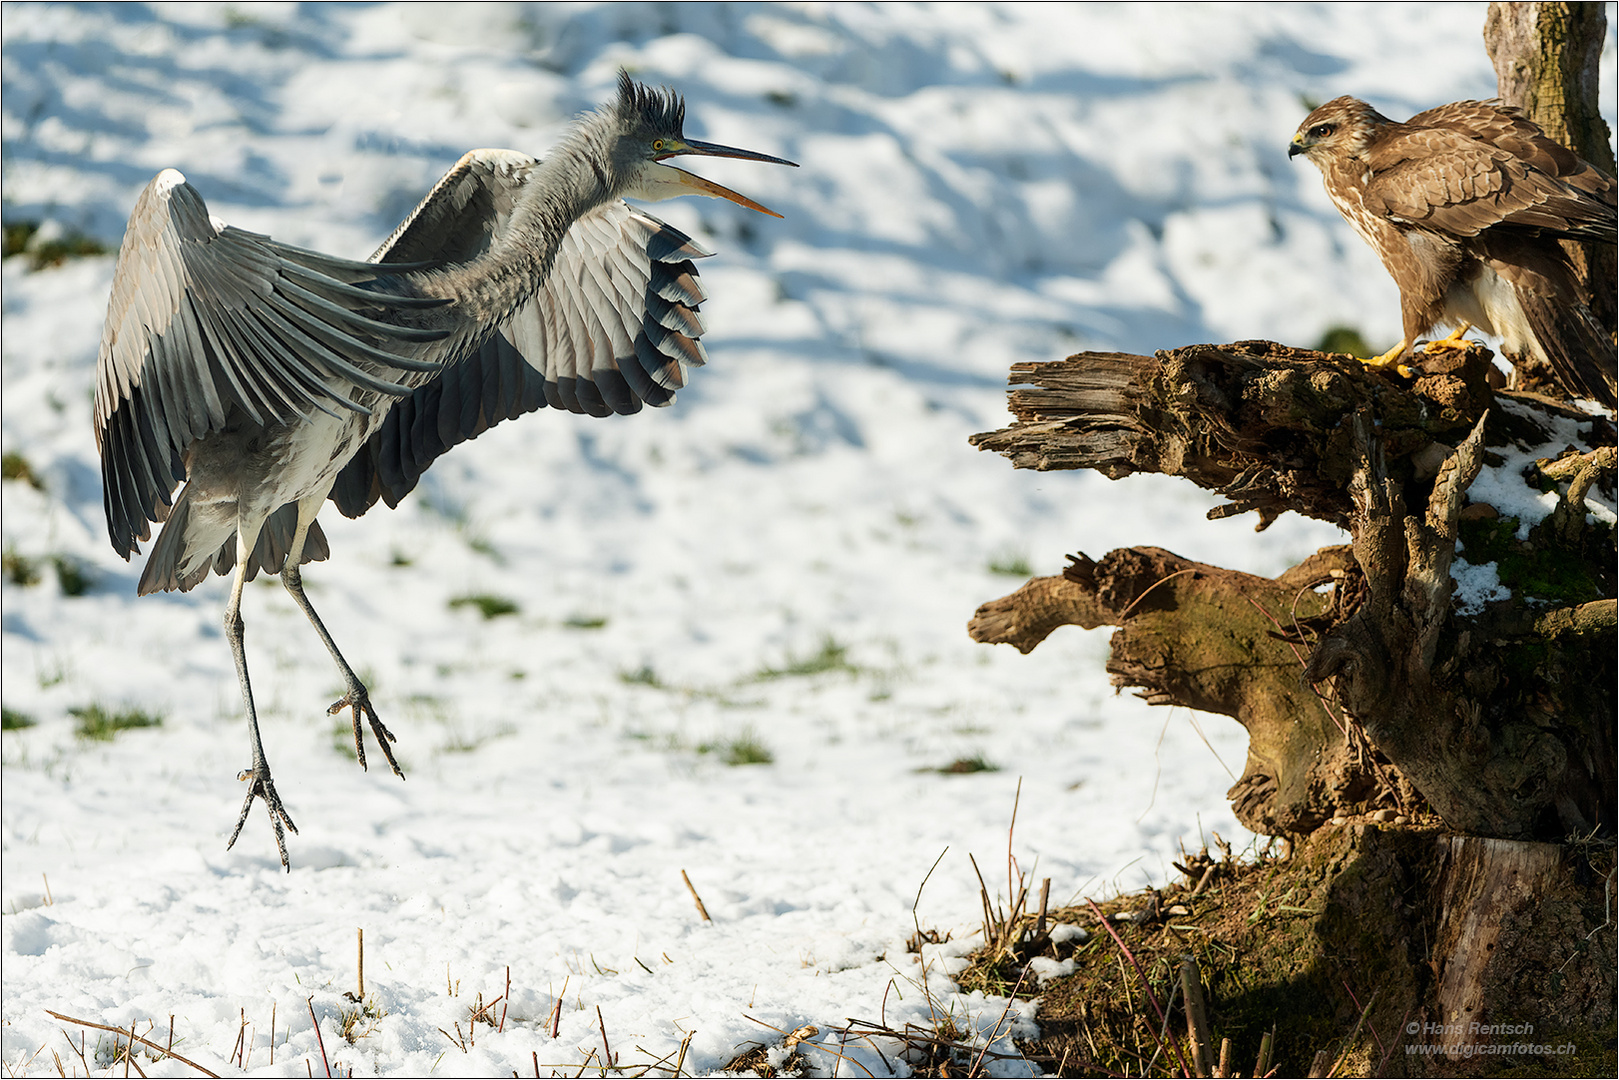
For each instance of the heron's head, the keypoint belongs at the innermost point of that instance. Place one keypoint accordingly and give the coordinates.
(650, 126)
(1342, 128)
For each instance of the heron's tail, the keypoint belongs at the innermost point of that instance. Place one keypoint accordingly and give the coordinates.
(184, 533)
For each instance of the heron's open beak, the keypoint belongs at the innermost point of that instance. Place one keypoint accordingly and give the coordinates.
(708, 187)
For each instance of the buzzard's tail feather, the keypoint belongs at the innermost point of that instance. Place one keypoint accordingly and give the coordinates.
(1579, 351)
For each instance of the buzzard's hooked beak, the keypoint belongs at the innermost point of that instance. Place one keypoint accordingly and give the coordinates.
(1297, 146)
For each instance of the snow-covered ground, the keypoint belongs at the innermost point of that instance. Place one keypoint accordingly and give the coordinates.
(980, 184)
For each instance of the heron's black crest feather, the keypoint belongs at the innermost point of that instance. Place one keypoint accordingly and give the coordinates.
(659, 108)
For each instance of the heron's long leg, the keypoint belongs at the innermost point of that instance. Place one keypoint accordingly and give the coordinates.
(357, 698)
(262, 786)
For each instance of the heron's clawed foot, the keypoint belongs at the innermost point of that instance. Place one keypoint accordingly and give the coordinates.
(264, 788)
(360, 702)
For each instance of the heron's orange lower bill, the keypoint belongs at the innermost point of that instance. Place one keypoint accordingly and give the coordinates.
(708, 187)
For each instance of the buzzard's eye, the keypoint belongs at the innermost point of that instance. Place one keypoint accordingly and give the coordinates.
(1321, 131)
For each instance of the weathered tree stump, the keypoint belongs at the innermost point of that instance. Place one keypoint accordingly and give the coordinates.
(1363, 685)
(1378, 680)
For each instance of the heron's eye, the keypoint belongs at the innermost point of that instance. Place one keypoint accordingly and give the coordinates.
(1321, 131)
(657, 144)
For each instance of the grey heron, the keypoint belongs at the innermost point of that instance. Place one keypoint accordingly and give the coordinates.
(242, 382)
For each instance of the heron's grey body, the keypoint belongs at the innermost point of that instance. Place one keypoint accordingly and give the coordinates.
(242, 382)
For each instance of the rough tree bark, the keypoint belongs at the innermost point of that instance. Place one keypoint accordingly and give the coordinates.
(1367, 691)
(1374, 690)
(1547, 61)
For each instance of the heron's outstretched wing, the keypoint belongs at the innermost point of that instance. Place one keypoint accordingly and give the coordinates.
(205, 319)
(614, 326)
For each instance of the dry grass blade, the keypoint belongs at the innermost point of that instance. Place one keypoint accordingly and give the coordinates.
(701, 910)
(607, 1051)
(508, 998)
(995, 1032)
(1145, 985)
(120, 1031)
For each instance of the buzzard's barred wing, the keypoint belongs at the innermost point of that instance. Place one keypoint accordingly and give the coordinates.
(205, 319)
(614, 327)
(1507, 128)
(1442, 180)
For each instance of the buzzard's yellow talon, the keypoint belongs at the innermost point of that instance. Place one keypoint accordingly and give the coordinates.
(1391, 359)
(1454, 341)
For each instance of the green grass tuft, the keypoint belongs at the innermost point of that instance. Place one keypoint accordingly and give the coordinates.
(21, 238)
(642, 676)
(585, 622)
(12, 720)
(13, 466)
(98, 723)
(964, 766)
(744, 749)
(73, 575)
(831, 656)
(19, 568)
(1011, 565)
(491, 606)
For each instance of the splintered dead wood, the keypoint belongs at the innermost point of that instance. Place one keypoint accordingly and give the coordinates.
(1254, 421)
(1376, 694)
(1225, 642)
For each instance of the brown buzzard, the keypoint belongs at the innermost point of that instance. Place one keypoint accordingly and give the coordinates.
(1465, 204)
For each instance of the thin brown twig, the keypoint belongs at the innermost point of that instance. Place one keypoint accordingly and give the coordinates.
(76, 1049)
(120, 1031)
(319, 1039)
(607, 1050)
(129, 1052)
(818, 1046)
(508, 996)
(918, 901)
(1017, 796)
(871, 1042)
(1369, 1026)
(1168, 577)
(656, 1061)
(1145, 985)
(684, 1043)
(701, 910)
(995, 1032)
(556, 1009)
